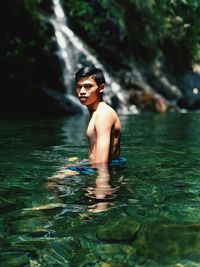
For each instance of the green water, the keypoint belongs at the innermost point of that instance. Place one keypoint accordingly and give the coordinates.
(152, 218)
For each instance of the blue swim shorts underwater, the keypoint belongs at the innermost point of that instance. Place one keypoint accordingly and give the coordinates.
(120, 162)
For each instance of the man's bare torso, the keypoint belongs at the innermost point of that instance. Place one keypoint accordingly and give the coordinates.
(114, 131)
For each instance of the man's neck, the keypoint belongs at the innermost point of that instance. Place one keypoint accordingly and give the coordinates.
(92, 108)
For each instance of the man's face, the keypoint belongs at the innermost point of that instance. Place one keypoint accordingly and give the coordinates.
(88, 91)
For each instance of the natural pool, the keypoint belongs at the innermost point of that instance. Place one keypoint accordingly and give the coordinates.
(152, 218)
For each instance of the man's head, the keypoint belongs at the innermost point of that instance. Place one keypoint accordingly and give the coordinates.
(95, 74)
(90, 83)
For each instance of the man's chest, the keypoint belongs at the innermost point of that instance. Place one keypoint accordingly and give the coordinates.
(91, 130)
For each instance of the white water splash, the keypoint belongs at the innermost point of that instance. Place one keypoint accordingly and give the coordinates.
(71, 48)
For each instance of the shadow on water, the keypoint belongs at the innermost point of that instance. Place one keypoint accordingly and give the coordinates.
(146, 214)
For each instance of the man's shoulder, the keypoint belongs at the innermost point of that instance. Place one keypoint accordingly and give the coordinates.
(106, 113)
(105, 107)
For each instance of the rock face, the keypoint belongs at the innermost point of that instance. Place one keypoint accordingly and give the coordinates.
(191, 90)
(36, 101)
(28, 61)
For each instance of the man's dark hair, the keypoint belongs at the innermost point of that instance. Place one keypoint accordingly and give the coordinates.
(96, 74)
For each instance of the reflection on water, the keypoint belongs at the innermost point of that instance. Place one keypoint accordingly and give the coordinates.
(146, 214)
(103, 192)
(100, 192)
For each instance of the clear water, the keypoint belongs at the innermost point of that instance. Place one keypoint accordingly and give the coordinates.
(152, 217)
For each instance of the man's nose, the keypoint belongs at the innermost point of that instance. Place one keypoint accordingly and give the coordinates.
(82, 91)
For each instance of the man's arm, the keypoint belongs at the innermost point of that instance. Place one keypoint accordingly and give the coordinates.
(103, 125)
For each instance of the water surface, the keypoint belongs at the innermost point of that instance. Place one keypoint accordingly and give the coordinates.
(149, 218)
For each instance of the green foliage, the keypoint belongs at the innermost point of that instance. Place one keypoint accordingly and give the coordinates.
(94, 14)
(149, 26)
(175, 21)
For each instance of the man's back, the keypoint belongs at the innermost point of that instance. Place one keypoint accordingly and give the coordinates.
(104, 130)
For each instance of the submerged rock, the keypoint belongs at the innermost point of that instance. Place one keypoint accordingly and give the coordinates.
(59, 252)
(169, 242)
(29, 226)
(123, 229)
(4, 243)
(14, 259)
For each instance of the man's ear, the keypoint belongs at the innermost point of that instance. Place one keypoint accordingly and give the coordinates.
(101, 88)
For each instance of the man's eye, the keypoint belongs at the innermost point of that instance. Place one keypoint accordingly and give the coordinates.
(87, 86)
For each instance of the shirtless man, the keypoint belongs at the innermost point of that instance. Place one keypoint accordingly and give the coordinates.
(104, 126)
(103, 132)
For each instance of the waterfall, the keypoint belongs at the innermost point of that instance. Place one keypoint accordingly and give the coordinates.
(71, 50)
(65, 49)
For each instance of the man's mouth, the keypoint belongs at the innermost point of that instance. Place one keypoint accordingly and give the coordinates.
(82, 98)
